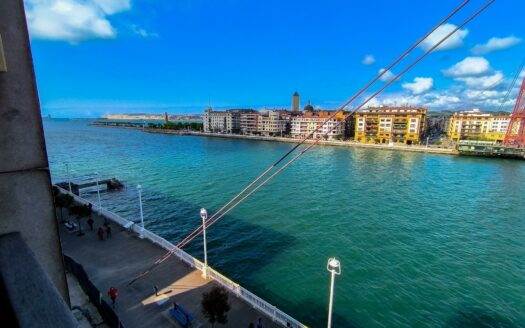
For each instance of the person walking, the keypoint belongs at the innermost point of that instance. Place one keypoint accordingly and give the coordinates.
(113, 293)
(90, 223)
(156, 290)
(259, 323)
(100, 233)
(108, 231)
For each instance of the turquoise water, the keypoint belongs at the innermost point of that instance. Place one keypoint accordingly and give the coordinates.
(424, 240)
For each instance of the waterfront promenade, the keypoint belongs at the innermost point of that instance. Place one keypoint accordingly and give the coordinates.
(114, 261)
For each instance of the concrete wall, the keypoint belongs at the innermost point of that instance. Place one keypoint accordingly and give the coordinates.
(26, 203)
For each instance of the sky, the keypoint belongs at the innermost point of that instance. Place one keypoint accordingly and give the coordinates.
(94, 57)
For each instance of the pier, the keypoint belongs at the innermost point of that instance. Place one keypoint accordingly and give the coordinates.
(114, 262)
(110, 183)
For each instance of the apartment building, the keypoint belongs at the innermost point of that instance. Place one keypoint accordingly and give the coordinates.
(390, 124)
(303, 125)
(477, 125)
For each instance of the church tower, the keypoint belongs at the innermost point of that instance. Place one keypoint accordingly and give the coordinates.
(295, 103)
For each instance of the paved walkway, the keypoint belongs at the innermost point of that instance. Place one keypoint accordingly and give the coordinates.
(115, 261)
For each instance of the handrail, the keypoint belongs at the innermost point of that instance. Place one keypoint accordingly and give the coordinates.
(236, 289)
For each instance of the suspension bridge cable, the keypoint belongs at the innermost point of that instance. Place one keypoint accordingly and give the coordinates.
(514, 80)
(215, 218)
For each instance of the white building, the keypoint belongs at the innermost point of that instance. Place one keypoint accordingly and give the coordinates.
(303, 125)
(273, 122)
(221, 121)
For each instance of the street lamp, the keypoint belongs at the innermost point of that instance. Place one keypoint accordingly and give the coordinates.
(334, 267)
(139, 188)
(67, 174)
(98, 192)
(204, 216)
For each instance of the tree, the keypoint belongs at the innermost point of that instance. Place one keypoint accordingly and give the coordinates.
(63, 201)
(80, 211)
(215, 305)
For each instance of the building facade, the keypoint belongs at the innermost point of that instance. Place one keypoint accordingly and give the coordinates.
(249, 121)
(477, 125)
(329, 129)
(221, 121)
(274, 123)
(390, 125)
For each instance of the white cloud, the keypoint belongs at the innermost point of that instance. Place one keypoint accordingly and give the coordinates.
(420, 85)
(453, 42)
(143, 32)
(470, 66)
(113, 6)
(495, 44)
(73, 20)
(482, 82)
(387, 76)
(368, 60)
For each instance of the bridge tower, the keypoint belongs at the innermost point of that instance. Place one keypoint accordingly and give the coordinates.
(515, 136)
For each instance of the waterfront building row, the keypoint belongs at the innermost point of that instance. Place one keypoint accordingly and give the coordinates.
(372, 125)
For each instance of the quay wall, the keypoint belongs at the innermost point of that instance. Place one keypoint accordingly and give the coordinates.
(255, 301)
(412, 148)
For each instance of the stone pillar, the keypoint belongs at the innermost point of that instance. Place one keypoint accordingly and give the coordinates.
(26, 201)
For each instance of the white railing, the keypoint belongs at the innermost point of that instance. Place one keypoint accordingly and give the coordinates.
(255, 301)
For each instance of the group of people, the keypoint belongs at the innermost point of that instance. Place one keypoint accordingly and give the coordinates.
(102, 232)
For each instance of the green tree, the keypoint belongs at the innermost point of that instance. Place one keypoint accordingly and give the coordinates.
(215, 305)
(80, 211)
(63, 201)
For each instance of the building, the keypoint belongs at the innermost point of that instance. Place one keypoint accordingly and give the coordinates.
(274, 123)
(249, 121)
(477, 125)
(303, 125)
(228, 121)
(390, 124)
(295, 103)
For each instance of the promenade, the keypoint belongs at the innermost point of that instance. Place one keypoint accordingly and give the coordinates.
(114, 261)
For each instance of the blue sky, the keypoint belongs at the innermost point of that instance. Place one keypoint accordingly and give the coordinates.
(94, 57)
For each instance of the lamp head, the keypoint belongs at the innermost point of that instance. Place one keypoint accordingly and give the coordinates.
(139, 187)
(204, 214)
(334, 266)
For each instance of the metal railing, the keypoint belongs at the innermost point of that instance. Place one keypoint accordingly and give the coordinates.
(255, 301)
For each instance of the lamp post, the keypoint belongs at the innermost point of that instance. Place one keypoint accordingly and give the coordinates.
(139, 188)
(67, 174)
(204, 216)
(98, 192)
(334, 267)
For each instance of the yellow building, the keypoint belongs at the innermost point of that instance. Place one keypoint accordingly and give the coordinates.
(390, 124)
(477, 125)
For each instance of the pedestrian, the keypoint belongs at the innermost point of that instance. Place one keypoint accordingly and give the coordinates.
(90, 223)
(108, 231)
(113, 293)
(251, 325)
(259, 323)
(156, 289)
(288, 324)
(175, 306)
(100, 233)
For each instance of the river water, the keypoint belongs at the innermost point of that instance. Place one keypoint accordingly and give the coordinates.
(424, 240)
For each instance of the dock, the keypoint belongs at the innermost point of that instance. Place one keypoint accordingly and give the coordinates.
(110, 183)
